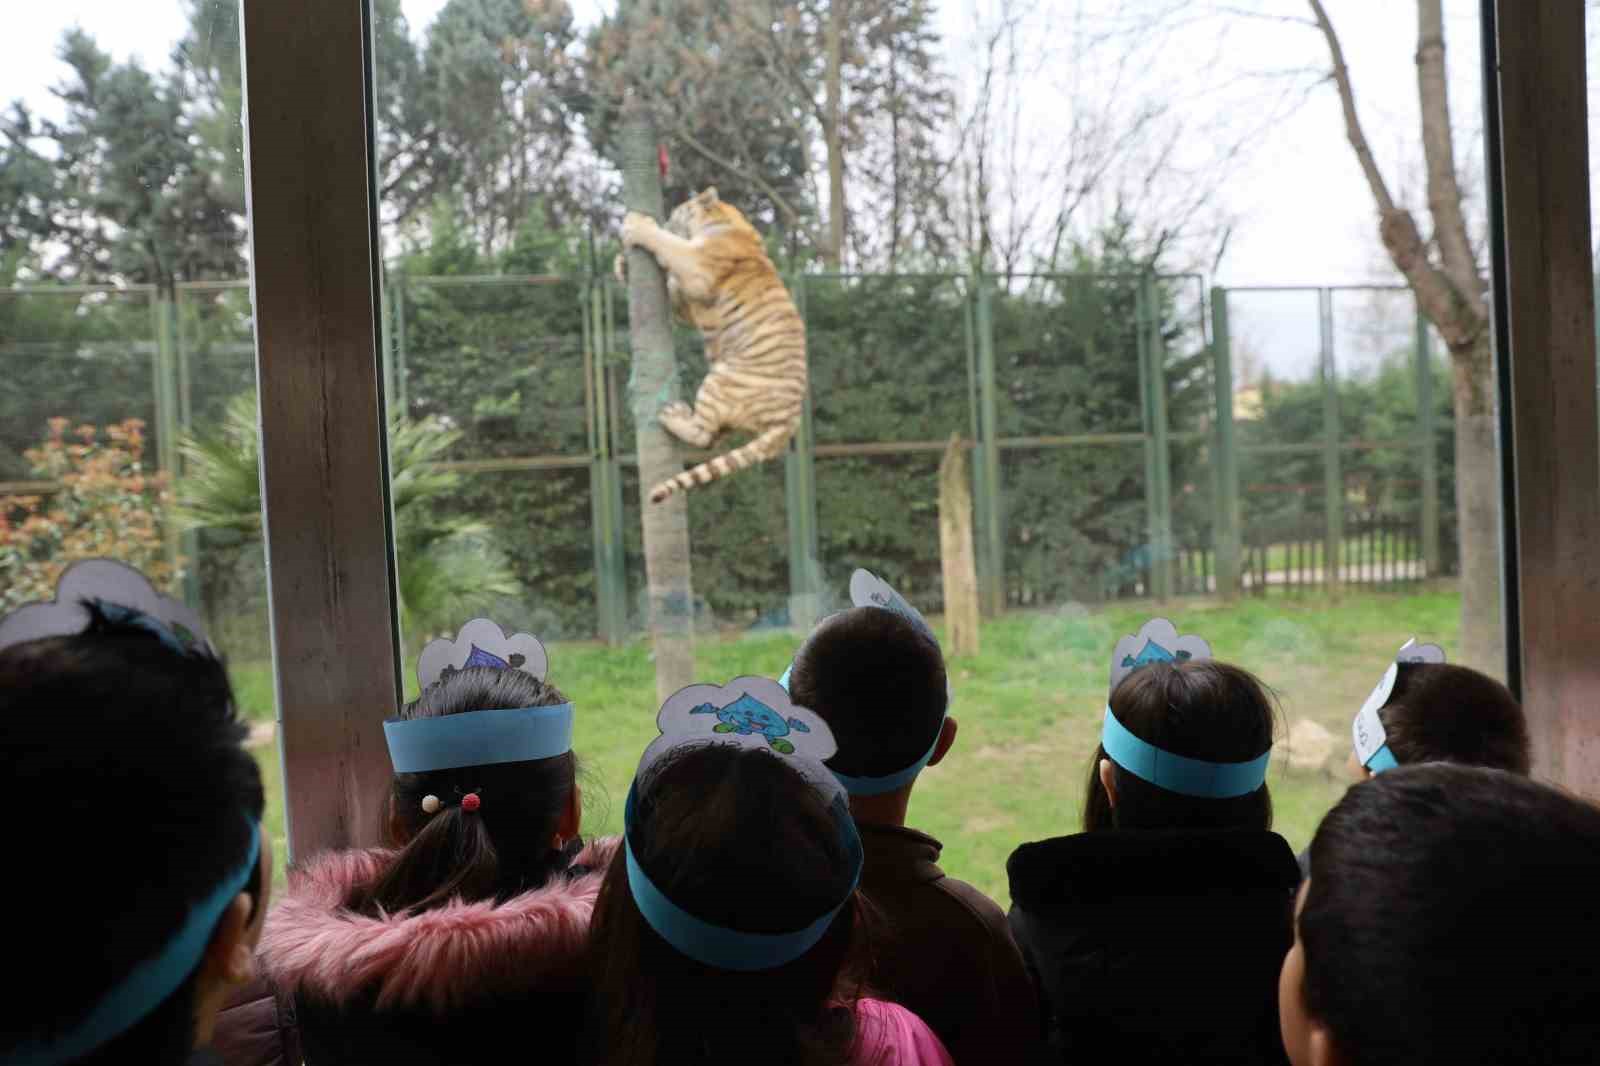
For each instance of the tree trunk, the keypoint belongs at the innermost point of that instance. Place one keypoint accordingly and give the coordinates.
(957, 559)
(1478, 507)
(1451, 295)
(833, 255)
(653, 385)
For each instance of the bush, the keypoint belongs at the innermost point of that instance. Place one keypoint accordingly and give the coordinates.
(106, 506)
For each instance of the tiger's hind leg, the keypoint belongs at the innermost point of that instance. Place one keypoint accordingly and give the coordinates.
(685, 423)
(698, 426)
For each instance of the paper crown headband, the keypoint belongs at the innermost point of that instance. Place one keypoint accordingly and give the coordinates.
(119, 592)
(487, 737)
(1367, 732)
(122, 594)
(869, 590)
(1158, 641)
(754, 713)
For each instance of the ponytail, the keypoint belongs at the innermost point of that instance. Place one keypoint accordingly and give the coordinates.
(474, 832)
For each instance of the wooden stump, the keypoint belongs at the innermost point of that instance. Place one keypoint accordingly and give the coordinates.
(956, 555)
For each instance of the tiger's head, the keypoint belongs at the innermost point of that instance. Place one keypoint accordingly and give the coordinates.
(703, 212)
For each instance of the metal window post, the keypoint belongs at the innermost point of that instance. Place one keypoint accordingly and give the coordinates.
(1427, 448)
(1226, 526)
(1332, 471)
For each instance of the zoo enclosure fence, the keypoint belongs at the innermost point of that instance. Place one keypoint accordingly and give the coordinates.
(1226, 547)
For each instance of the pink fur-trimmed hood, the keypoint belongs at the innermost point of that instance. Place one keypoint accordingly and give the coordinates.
(441, 959)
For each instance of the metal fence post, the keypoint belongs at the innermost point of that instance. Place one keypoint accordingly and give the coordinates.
(800, 499)
(1157, 455)
(1332, 471)
(1226, 524)
(397, 402)
(991, 577)
(164, 386)
(1428, 448)
(605, 476)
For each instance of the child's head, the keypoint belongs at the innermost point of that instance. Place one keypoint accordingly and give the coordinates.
(738, 839)
(879, 682)
(1451, 918)
(1203, 710)
(526, 810)
(1445, 713)
(135, 837)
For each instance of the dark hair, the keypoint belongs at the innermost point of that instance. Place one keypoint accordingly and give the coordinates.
(1451, 919)
(735, 837)
(124, 760)
(1201, 710)
(1446, 713)
(501, 849)
(879, 682)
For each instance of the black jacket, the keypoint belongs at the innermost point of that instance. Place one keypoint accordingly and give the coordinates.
(1157, 947)
(459, 985)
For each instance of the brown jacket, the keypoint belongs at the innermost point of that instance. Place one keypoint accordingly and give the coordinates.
(946, 952)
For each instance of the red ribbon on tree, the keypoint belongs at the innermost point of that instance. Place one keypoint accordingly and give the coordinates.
(661, 160)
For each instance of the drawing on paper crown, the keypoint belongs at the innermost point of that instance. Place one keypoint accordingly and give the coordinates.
(479, 657)
(748, 716)
(1155, 653)
(119, 614)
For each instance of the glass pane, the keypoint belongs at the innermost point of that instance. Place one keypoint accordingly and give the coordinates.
(127, 358)
(1045, 245)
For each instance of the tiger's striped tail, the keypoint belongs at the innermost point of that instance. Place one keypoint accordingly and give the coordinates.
(769, 444)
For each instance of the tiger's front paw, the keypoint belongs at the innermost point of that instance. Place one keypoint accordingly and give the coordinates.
(634, 226)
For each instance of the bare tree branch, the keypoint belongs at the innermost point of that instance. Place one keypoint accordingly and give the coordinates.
(1436, 292)
(1438, 149)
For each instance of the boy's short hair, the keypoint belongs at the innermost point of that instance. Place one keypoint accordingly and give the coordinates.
(1451, 919)
(1445, 713)
(132, 798)
(879, 682)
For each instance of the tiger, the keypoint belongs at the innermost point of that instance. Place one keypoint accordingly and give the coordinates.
(720, 281)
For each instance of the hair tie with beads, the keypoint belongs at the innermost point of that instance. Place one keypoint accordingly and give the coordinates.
(430, 804)
(470, 802)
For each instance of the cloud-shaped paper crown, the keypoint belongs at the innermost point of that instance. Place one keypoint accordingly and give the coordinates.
(122, 593)
(481, 642)
(869, 590)
(1367, 734)
(1156, 642)
(747, 712)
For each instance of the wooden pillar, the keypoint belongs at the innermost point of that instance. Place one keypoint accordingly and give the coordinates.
(1537, 126)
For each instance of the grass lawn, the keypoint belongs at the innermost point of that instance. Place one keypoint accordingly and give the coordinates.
(1029, 708)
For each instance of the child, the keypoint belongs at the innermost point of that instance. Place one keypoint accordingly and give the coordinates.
(1425, 710)
(877, 677)
(136, 838)
(1451, 921)
(469, 936)
(1435, 712)
(728, 924)
(1155, 936)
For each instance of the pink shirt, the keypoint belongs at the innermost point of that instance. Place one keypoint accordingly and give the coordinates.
(889, 1035)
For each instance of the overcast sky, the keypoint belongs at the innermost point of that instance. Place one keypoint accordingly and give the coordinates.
(1305, 214)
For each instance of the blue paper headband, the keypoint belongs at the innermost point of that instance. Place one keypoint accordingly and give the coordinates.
(1178, 773)
(150, 982)
(877, 786)
(719, 946)
(478, 738)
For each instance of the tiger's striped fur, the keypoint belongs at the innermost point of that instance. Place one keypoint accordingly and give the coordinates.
(721, 282)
